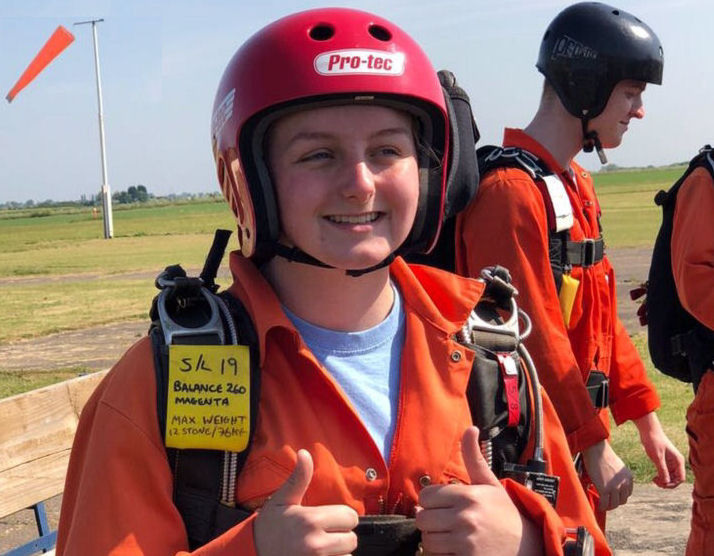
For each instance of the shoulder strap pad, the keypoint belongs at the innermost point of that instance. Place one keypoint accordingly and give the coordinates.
(188, 311)
(557, 204)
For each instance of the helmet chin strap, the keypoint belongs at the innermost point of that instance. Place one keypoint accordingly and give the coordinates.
(297, 255)
(592, 141)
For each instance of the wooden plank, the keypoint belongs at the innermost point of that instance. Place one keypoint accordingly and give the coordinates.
(36, 433)
(38, 480)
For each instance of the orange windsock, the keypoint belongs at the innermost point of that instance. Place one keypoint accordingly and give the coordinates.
(59, 40)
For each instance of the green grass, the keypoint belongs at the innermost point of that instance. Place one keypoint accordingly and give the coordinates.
(23, 381)
(676, 397)
(64, 228)
(57, 274)
(630, 216)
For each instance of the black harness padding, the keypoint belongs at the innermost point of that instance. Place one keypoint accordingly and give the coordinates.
(462, 177)
(680, 346)
(443, 255)
(490, 414)
(199, 474)
(463, 173)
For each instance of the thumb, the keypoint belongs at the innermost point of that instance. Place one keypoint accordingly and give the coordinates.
(479, 471)
(294, 488)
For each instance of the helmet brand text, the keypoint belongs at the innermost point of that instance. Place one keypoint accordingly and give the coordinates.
(222, 113)
(566, 47)
(355, 61)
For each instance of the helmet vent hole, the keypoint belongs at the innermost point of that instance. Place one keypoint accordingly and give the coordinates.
(616, 12)
(322, 32)
(380, 33)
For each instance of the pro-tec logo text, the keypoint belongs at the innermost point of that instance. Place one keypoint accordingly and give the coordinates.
(355, 61)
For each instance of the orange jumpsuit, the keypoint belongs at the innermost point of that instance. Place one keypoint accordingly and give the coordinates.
(506, 224)
(693, 269)
(118, 495)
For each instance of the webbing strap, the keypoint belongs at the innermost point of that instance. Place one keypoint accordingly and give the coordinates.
(585, 253)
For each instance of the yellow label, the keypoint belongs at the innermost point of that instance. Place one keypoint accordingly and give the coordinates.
(208, 403)
(566, 296)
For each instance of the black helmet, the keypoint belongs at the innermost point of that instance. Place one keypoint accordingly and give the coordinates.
(590, 47)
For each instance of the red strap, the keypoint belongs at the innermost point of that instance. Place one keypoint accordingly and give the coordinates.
(509, 371)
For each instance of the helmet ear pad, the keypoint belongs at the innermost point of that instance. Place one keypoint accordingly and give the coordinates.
(582, 92)
(235, 189)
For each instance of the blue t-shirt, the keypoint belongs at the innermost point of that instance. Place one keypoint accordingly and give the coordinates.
(366, 366)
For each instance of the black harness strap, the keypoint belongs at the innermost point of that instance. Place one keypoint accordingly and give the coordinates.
(563, 252)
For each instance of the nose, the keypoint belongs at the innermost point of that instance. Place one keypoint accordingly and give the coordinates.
(359, 182)
(638, 108)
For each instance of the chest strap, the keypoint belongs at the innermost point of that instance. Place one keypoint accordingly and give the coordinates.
(585, 253)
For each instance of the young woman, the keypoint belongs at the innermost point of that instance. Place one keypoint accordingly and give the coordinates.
(330, 133)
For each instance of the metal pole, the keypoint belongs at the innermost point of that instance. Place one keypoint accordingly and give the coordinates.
(106, 192)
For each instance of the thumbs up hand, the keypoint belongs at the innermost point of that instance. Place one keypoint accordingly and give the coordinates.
(285, 526)
(479, 518)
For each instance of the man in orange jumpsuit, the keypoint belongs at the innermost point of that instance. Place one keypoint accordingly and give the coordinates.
(597, 61)
(693, 270)
(363, 407)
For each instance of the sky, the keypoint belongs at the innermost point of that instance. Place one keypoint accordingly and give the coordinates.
(161, 62)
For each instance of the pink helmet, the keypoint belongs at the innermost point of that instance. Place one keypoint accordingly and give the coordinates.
(312, 59)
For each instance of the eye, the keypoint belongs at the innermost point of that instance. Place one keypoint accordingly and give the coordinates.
(388, 150)
(315, 156)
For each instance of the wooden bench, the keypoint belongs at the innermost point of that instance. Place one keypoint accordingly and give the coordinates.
(36, 433)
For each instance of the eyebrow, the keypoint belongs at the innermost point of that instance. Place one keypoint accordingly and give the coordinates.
(318, 135)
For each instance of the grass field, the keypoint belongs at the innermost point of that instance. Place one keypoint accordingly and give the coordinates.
(630, 217)
(56, 274)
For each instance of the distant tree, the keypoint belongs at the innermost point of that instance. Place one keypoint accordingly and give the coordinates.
(29, 203)
(133, 194)
(142, 195)
(121, 197)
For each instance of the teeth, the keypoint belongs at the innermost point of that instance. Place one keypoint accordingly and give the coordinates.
(356, 219)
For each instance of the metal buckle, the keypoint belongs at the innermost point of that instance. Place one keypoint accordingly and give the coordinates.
(172, 329)
(604, 394)
(588, 252)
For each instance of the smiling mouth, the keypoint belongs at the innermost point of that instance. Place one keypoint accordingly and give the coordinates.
(366, 218)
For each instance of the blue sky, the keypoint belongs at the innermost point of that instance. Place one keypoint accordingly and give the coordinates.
(161, 62)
